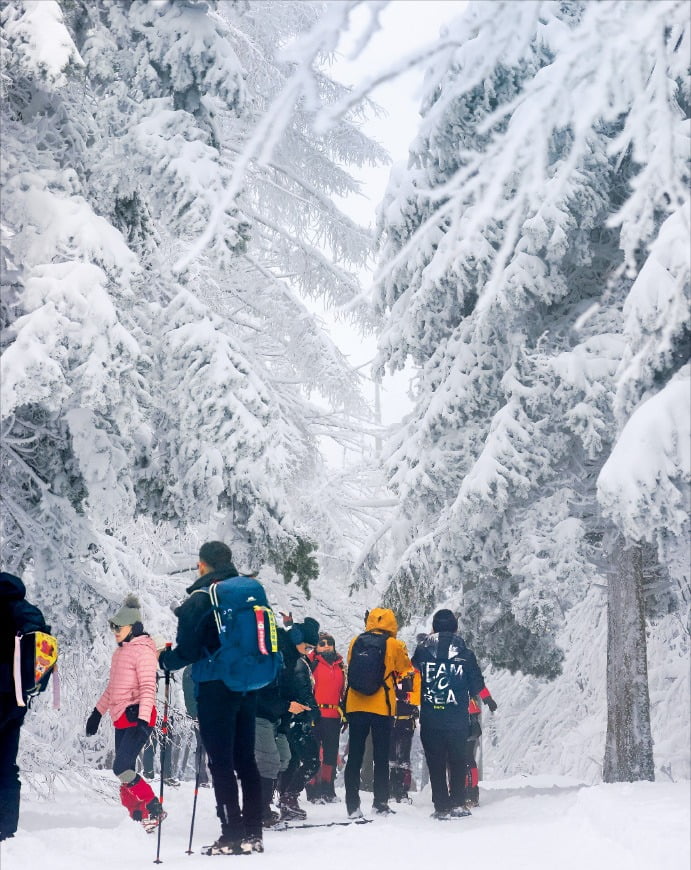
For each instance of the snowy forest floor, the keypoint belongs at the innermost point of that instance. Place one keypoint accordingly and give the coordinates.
(525, 822)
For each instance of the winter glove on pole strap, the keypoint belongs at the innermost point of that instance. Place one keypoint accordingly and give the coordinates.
(491, 703)
(92, 723)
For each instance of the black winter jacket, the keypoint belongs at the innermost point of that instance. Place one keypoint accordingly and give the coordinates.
(450, 675)
(197, 635)
(16, 615)
(294, 683)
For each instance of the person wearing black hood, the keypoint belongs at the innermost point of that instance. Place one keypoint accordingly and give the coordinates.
(450, 674)
(226, 718)
(16, 615)
(299, 727)
(287, 700)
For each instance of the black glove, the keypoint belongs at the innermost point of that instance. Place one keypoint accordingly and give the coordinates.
(491, 703)
(92, 723)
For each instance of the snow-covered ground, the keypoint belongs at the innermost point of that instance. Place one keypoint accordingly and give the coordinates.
(525, 822)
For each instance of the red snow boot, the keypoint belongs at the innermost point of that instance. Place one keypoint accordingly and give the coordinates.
(139, 800)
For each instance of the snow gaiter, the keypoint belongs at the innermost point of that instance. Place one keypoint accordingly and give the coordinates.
(135, 796)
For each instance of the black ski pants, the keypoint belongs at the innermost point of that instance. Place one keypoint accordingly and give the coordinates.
(399, 759)
(445, 750)
(328, 732)
(226, 725)
(11, 717)
(304, 759)
(359, 726)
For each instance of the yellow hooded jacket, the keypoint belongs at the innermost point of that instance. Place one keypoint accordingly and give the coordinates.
(396, 662)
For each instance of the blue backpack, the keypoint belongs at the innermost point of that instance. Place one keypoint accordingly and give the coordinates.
(248, 657)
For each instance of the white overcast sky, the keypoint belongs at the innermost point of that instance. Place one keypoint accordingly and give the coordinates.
(405, 26)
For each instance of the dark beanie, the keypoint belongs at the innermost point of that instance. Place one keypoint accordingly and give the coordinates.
(216, 555)
(444, 620)
(305, 632)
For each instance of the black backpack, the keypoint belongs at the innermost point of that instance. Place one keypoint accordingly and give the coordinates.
(366, 669)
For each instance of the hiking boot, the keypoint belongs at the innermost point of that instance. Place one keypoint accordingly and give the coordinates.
(154, 808)
(152, 822)
(382, 809)
(224, 846)
(251, 844)
(290, 808)
(355, 814)
(270, 818)
(441, 814)
(331, 799)
(459, 813)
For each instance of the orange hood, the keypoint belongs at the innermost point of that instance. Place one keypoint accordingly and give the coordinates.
(382, 619)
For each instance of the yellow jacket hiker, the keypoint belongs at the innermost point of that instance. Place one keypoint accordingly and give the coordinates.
(396, 663)
(372, 708)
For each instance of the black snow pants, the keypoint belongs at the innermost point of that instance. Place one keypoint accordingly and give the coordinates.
(11, 718)
(226, 725)
(445, 750)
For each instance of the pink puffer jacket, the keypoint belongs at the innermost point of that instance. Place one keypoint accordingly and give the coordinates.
(132, 679)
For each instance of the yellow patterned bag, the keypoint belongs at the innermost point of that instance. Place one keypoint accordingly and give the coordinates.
(35, 660)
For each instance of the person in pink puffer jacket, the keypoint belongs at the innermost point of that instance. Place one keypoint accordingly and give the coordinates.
(129, 698)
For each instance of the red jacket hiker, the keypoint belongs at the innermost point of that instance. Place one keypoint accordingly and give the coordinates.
(329, 690)
(329, 682)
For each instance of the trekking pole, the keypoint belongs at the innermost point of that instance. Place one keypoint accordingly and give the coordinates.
(197, 777)
(164, 740)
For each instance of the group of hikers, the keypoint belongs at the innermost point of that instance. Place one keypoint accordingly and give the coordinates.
(271, 703)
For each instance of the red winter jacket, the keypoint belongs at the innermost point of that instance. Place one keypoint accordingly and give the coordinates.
(329, 684)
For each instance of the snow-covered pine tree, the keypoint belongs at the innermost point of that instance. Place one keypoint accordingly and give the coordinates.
(505, 279)
(141, 402)
(645, 484)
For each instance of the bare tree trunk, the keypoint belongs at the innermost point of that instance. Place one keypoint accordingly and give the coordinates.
(629, 743)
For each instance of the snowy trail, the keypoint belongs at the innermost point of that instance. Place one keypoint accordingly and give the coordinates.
(541, 823)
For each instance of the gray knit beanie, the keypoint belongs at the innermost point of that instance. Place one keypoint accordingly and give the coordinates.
(129, 613)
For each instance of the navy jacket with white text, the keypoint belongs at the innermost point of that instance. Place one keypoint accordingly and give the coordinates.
(450, 675)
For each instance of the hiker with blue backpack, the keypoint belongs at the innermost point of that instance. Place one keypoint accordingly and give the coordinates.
(227, 632)
(450, 675)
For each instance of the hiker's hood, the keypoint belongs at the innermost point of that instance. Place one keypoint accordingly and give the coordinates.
(382, 619)
(11, 587)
